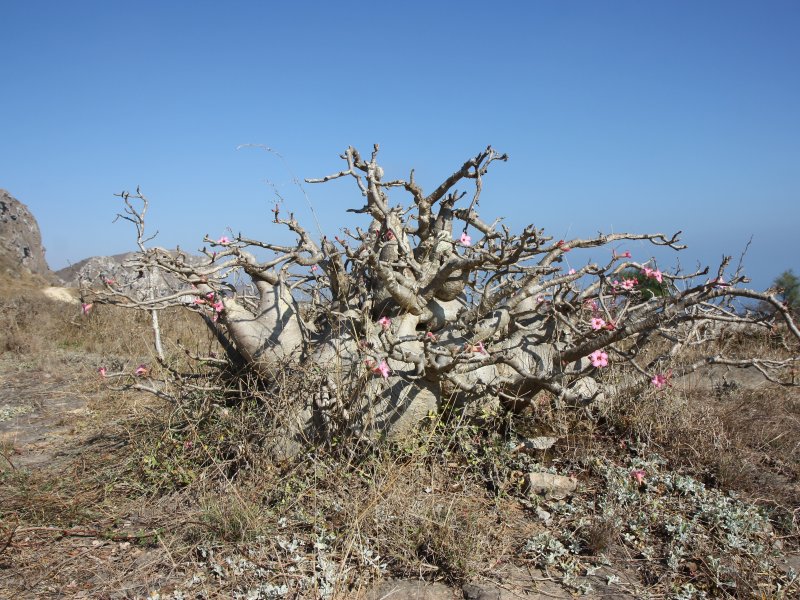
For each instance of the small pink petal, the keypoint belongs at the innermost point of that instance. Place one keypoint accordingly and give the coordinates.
(385, 322)
(85, 308)
(382, 369)
(659, 380)
(224, 240)
(639, 475)
(102, 371)
(465, 239)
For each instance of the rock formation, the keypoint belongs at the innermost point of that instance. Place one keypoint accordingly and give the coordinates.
(21, 248)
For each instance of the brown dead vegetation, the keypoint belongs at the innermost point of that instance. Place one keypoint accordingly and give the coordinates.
(139, 495)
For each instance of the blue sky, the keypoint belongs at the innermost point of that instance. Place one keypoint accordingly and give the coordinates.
(616, 115)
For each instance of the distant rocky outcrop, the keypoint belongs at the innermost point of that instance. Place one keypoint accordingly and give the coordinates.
(93, 269)
(21, 249)
(120, 273)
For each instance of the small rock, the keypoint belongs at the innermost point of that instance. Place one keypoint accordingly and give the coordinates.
(552, 487)
(408, 589)
(477, 591)
(540, 443)
(543, 515)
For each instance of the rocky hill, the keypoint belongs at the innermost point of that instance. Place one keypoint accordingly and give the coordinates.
(21, 249)
(94, 271)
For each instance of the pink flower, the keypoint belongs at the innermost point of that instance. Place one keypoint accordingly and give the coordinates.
(599, 359)
(210, 295)
(85, 308)
(465, 239)
(102, 371)
(476, 348)
(141, 371)
(218, 306)
(639, 475)
(385, 322)
(597, 323)
(571, 272)
(626, 254)
(314, 267)
(629, 284)
(224, 240)
(720, 282)
(659, 381)
(389, 235)
(653, 274)
(382, 369)
(431, 336)
(109, 281)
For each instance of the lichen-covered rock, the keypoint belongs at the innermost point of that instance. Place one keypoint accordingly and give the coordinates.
(20, 239)
(552, 487)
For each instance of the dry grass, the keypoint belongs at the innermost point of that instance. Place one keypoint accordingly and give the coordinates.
(193, 496)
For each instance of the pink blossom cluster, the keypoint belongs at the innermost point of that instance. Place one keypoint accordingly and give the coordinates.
(626, 284)
(211, 300)
(653, 274)
(660, 380)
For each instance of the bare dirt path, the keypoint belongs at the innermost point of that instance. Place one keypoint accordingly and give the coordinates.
(40, 412)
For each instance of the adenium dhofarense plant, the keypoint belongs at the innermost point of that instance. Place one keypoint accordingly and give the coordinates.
(429, 304)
